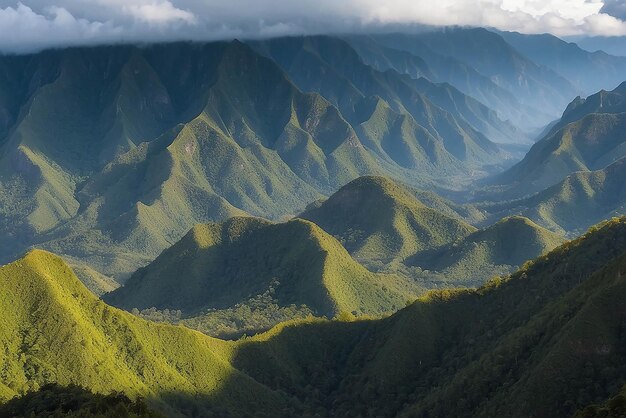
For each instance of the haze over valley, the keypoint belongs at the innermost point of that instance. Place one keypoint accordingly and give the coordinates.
(376, 212)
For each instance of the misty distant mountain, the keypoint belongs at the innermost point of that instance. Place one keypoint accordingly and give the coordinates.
(590, 136)
(588, 71)
(488, 54)
(615, 45)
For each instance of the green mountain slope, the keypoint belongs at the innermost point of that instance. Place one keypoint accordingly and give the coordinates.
(576, 203)
(379, 221)
(591, 143)
(222, 265)
(111, 154)
(59, 332)
(497, 249)
(546, 341)
(589, 136)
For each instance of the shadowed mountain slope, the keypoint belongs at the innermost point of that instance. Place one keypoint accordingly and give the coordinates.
(111, 154)
(527, 345)
(498, 249)
(216, 266)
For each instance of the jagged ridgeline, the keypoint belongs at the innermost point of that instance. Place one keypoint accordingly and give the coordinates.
(109, 155)
(588, 137)
(546, 341)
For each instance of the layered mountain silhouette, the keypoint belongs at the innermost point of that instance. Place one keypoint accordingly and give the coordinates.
(527, 93)
(473, 345)
(589, 137)
(588, 71)
(217, 266)
(103, 144)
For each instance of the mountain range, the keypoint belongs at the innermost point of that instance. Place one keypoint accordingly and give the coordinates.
(588, 137)
(100, 145)
(420, 224)
(452, 352)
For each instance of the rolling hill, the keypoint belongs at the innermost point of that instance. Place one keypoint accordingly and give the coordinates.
(390, 227)
(217, 266)
(546, 341)
(573, 205)
(497, 249)
(59, 332)
(379, 221)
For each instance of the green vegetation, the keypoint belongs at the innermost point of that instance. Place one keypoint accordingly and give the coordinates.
(579, 201)
(123, 149)
(495, 250)
(224, 266)
(257, 314)
(53, 400)
(545, 341)
(52, 329)
(378, 220)
(386, 228)
(588, 137)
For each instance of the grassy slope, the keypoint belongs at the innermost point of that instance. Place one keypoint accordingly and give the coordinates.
(220, 265)
(496, 249)
(59, 332)
(573, 205)
(590, 143)
(589, 136)
(545, 342)
(378, 220)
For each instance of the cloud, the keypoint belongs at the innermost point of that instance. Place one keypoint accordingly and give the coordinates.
(36, 24)
(615, 8)
(158, 13)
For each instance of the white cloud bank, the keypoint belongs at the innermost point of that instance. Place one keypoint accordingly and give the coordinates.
(36, 24)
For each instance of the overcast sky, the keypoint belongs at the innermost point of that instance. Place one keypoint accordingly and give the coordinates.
(34, 24)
